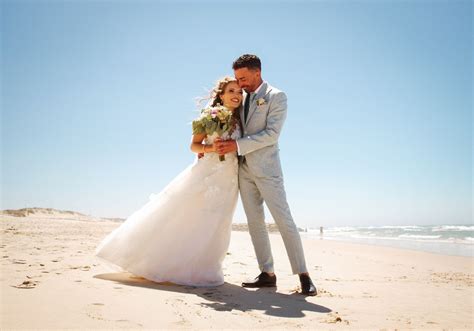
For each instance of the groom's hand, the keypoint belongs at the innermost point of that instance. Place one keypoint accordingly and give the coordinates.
(225, 146)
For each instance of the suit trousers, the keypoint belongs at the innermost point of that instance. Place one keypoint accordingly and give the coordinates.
(253, 192)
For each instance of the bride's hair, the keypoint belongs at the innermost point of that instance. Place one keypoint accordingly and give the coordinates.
(214, 95)
(219, 89)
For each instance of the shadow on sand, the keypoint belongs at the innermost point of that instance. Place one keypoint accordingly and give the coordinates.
(228, 297)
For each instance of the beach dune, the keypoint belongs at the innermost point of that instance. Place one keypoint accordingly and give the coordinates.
(50, 279)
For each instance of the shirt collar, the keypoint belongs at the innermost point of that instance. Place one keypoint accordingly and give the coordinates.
(258, 88)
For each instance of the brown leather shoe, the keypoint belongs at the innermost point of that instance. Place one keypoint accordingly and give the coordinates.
(262, 280)
(307, 286)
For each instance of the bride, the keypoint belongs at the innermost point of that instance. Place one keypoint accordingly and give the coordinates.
(182, 234)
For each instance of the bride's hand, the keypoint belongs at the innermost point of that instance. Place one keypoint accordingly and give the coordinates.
(227, 146)
(218, 144)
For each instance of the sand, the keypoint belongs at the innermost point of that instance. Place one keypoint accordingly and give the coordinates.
(50, 279)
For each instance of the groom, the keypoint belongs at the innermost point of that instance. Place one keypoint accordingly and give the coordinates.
(260, 174)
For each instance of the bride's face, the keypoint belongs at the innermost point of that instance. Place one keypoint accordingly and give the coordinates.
(232, 96)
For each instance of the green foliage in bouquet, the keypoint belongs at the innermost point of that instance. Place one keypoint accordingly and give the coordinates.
(213, 119)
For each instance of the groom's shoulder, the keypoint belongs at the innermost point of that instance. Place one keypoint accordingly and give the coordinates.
(274, 91)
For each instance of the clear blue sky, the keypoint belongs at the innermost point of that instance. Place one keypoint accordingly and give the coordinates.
(98, 96)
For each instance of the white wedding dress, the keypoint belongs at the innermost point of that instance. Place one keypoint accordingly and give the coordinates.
(182, 234)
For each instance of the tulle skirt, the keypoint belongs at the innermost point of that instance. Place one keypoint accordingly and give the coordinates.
(181, 234)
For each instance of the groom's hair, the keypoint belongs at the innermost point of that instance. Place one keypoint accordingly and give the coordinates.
(249, 61)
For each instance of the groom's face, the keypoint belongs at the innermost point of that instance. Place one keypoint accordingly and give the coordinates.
(248, 79)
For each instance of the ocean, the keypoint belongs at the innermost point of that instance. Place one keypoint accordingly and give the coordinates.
(441, 239)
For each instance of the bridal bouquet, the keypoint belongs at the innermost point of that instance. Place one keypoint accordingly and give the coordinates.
(213, 119)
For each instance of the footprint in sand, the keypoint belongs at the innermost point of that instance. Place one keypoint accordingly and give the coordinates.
(335, 318)
(324, 293)
(93, 312)
(19, 261)
(27, 284)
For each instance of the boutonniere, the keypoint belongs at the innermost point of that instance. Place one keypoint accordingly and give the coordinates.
(261, 102)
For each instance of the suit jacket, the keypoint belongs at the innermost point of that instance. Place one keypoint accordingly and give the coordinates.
(259, 142)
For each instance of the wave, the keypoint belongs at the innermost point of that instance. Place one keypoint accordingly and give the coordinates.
(407, 228)
(444, 239)
(469, 241)
(364, 228)
(342, 229)
(401, 227)
(413, 236)
(453, 228)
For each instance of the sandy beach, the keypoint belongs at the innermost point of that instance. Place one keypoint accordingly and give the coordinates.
(50, 279)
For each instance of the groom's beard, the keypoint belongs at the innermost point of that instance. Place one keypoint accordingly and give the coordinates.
(249, 89)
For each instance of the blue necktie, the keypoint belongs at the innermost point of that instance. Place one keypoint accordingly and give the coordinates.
(247, 106)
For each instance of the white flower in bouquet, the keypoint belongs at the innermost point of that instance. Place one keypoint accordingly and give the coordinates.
(214, 119)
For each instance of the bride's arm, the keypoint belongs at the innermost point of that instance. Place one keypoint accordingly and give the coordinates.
(198, 147)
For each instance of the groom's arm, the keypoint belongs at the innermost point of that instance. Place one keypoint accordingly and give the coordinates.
(269, 136)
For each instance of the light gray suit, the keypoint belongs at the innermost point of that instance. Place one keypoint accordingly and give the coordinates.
(261, 177)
